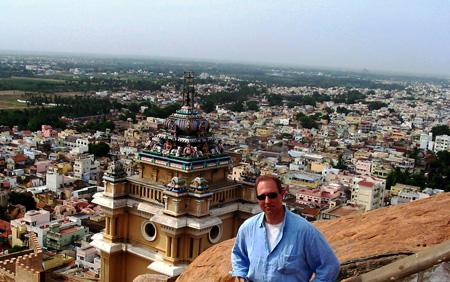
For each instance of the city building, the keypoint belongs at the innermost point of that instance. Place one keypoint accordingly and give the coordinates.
(308, 179)
(441, 143)
(87, 257)
(399, 187)
(59, 237)
(369, 192)
(86, 168)
(321, 197)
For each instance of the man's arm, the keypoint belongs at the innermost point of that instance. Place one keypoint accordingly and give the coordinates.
(239, 258)
(321, 257)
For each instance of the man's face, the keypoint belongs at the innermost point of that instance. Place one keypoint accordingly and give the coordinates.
(271, 207)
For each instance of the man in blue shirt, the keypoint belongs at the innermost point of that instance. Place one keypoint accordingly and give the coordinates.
(278, 245)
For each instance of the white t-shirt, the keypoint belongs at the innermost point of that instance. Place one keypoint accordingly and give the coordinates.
(272, 232)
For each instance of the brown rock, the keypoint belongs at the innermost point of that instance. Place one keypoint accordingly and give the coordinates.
(212, 265)
(151, 278)
(385, 232)
(405, 228)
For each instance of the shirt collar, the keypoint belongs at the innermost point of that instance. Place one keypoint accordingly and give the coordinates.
(261, 220)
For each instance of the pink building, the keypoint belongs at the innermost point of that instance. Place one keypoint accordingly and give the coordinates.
(36, 218)
(42, 166)
(62, 211)
(47, 131)
(342, 177)
(319, 197)
(74, 202)
(363, 167)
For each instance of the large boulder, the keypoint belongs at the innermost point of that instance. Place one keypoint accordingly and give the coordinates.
(212, 265)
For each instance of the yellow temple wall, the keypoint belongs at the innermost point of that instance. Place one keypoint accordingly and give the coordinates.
(136, 237)
(135, 266)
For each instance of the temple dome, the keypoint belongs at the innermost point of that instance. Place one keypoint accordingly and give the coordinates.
(186, 124)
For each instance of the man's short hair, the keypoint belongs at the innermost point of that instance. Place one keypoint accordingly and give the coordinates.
(272, 177)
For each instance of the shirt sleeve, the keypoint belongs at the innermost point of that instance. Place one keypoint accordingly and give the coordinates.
(239, 257)
(321, 257)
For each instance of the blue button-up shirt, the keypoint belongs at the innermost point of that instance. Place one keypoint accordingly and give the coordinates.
(298, 251)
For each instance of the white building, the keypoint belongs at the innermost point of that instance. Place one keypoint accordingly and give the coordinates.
(284, 121)
(368, 192)
(86, 168)
(405, 196)
(87, 257)
(54, 180)
(442, 143)
(39, 222)
(126, 150)
(426, 141)
(101, 93)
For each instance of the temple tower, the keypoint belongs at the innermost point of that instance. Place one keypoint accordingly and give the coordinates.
(179, 204)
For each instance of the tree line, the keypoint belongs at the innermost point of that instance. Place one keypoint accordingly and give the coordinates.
(69, 107)
(438, 175)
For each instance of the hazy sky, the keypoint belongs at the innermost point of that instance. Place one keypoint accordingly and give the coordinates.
(388, 35)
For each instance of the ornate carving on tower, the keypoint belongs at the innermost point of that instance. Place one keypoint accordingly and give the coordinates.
(115, 179)
(199, 189)
(175, 196)
(177, 185)
(199, 186)
(249, 176)
(186, 135)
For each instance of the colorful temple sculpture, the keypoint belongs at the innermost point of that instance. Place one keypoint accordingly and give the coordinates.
(181, 202)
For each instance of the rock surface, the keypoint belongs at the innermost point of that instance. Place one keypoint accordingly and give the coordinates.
(385, 232)
(151, 278)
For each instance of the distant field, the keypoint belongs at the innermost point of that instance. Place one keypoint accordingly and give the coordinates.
(8, 98)
(36, 78)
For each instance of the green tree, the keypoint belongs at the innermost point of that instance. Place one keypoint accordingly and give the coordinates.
(376, 105)
(329, 110)
(237, 107)
(100, 149)
(275, 99)
(342, 110)
(308, 122)
(291, 104)
(60, 124)
(440, 130)
(309, 100)
(340, 163)
(158, 112)
(16, 249)
(23, 199)
(208, 105)
(252, 106)
(134, 107)
(316, 116)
